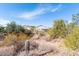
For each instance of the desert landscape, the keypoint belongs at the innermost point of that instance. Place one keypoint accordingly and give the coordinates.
(19, 39)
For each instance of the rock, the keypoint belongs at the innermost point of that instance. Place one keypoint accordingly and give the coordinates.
(30, 45)
(22, 53)
(37, 48)
(7, 51)
(1, 37)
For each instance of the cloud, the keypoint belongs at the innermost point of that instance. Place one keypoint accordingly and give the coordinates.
(41, 9)
(57, 8)
(32, 14)
(3, 21)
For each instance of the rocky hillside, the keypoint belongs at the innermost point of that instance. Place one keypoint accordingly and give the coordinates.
(38, 45)
(59, 40)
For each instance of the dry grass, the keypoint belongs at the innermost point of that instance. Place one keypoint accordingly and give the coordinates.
(10, 38)
(55, 47)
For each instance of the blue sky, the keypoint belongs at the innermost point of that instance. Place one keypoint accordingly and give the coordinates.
(37, 14)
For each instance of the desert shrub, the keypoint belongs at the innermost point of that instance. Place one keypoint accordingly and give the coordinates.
(11, 37)
(13, 27)
(16, 32)
(74, 22)
(50, 31)
(19, 29)
(72, 40)
(70, 27)
(2, 29)
(22, 37)
(2, 32)
(28, 32)
(58, 30)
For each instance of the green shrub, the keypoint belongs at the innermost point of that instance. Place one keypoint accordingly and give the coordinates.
(72, 40)
(58, 30)
(50, 31)
(2, 29)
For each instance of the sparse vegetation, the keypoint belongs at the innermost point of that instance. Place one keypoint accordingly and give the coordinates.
(62, 32)
(58, 30)
(72, 39)
(13, 32)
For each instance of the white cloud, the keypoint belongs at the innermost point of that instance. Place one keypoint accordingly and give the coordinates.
(57, 8)
(42, 9)
(30, 15)
(3, 21)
